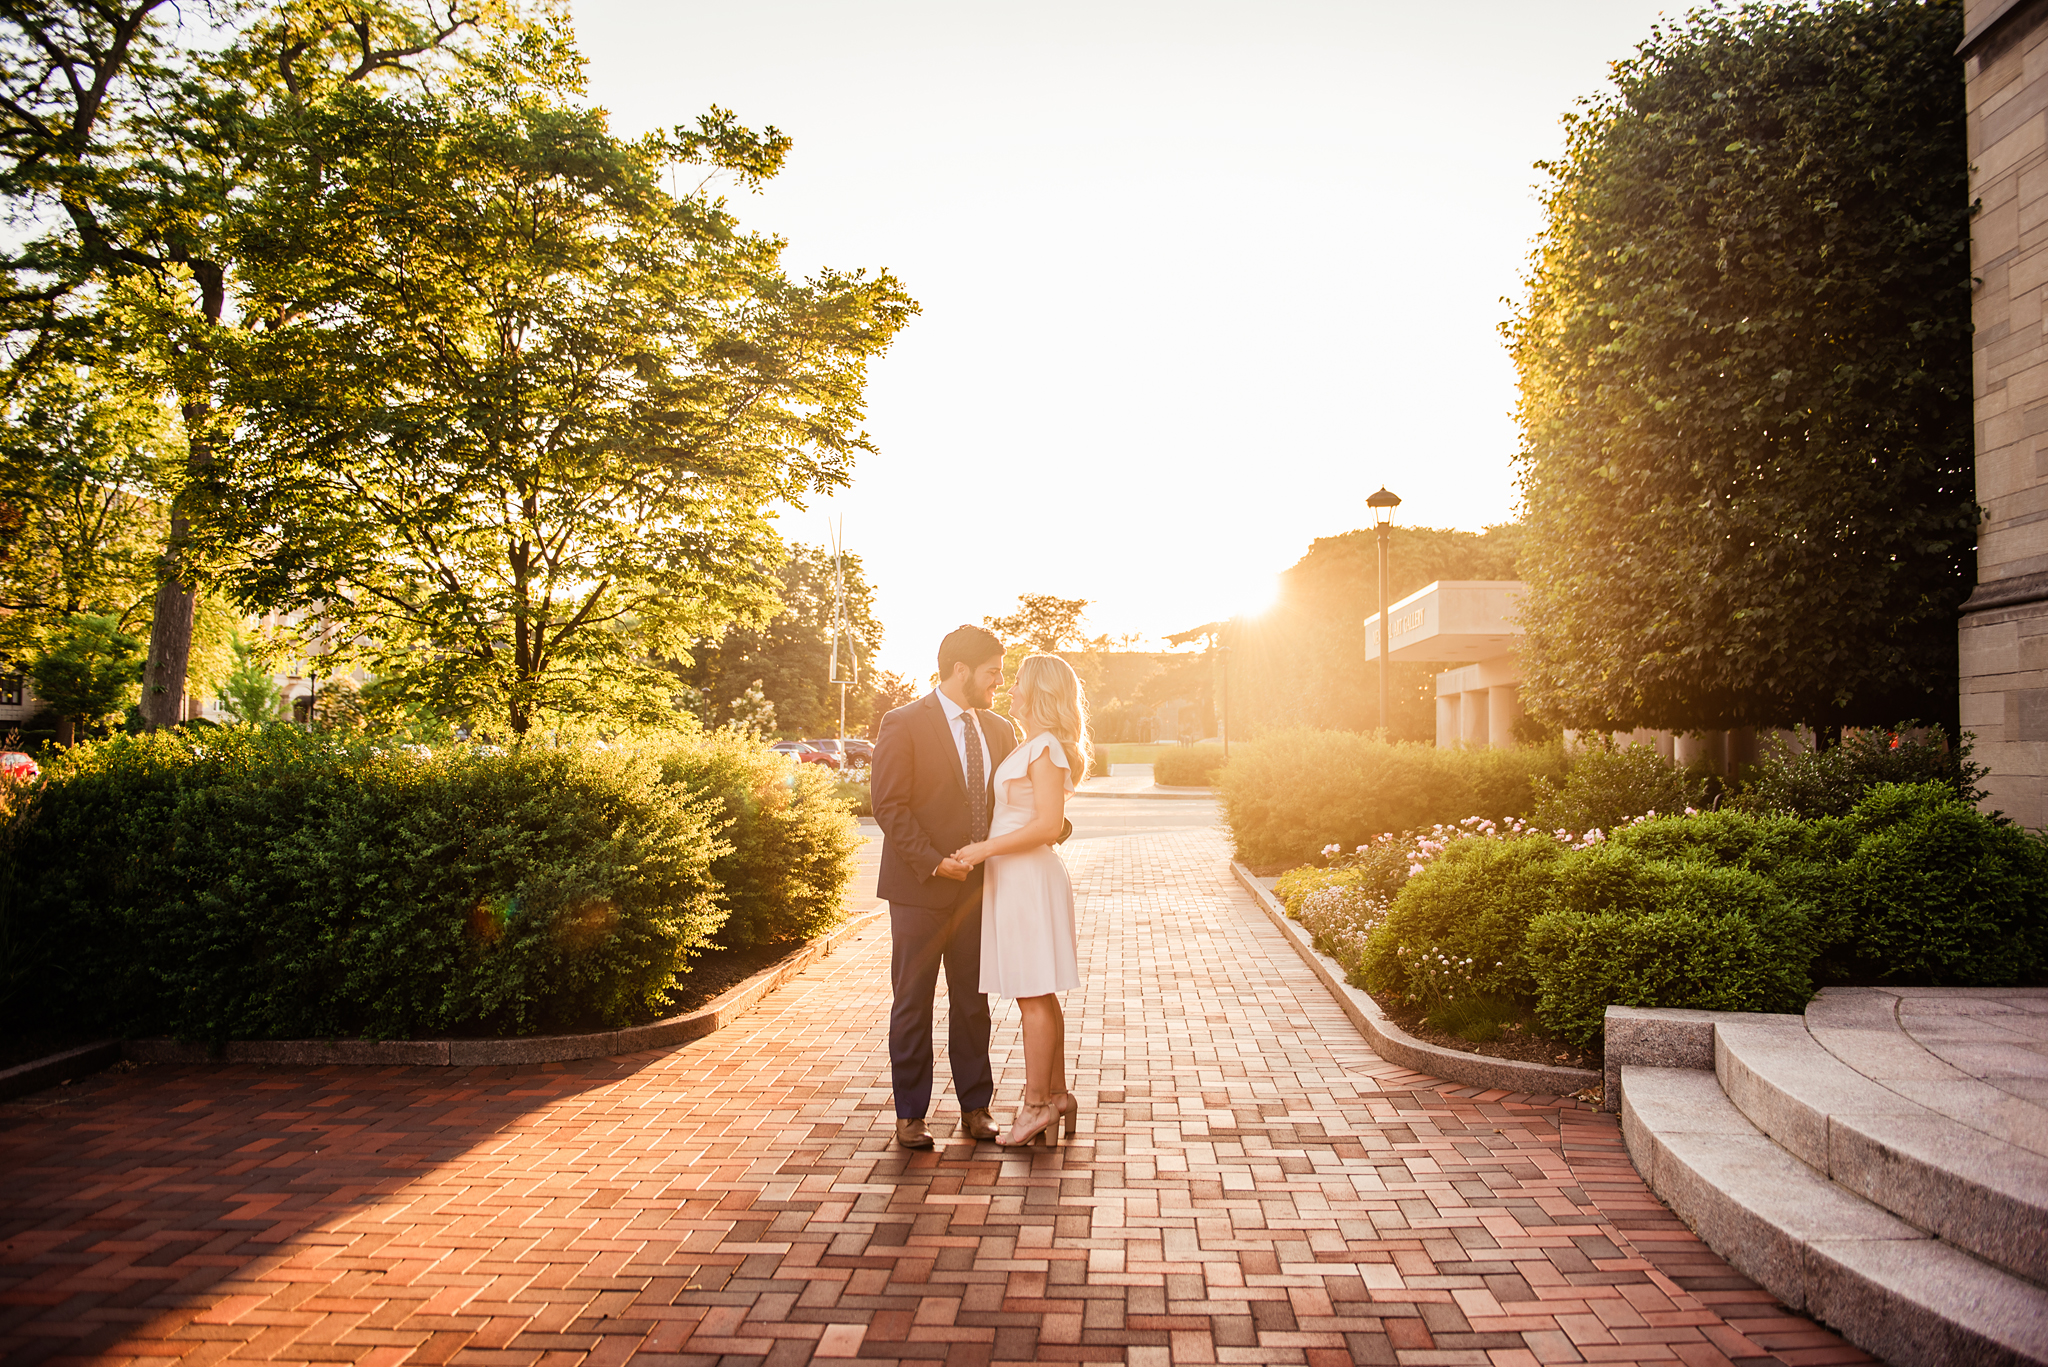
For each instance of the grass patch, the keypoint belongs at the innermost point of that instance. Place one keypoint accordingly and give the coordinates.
(1477, 1019)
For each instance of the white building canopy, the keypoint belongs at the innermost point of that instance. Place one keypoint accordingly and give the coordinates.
(1452, 619)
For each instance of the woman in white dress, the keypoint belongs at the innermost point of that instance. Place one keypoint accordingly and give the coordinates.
(1028, 946)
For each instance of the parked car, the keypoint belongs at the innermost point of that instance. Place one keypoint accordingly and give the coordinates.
(849, 751)
(805, 753)
(15, 767)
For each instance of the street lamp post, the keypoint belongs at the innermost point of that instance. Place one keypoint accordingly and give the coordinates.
(1223, 649)
(1383, 505)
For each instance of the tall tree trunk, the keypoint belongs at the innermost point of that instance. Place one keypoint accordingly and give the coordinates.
(66, 731)
(170, 636)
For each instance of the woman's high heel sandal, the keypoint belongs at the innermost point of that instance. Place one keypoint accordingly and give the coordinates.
(1037, 1132)
(1070, 1113)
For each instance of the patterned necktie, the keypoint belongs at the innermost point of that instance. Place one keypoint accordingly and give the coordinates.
(977, 784)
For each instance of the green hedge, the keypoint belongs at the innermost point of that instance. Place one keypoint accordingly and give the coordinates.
(1187, 766)
(1608, 785)
(1628, 931)
(1290, 793)
(269, 884)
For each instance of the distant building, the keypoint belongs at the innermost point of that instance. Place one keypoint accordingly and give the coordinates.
(1455, 620)
(1479, 702)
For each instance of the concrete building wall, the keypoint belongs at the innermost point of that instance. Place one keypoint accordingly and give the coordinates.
(2003, 628)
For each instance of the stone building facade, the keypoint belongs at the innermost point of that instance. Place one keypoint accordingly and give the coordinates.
(2003, 629)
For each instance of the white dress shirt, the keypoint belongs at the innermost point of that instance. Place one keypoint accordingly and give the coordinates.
(958, 719)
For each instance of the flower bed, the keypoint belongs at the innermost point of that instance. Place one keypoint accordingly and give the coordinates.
(1483, 928)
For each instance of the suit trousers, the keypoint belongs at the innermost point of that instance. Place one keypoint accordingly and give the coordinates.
(921, 938)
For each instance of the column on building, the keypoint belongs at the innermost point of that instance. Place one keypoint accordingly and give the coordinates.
(1478, 704)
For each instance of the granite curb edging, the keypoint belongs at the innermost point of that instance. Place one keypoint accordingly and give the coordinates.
(1396, 1045)
(1154, 794)
(714, 1015)
(52, 1069)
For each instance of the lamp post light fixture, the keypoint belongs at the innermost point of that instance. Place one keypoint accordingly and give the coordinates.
(1383, 504)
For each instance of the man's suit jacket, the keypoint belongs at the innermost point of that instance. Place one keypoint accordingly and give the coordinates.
(920, 800)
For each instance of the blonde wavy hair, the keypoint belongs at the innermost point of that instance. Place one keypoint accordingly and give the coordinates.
(1049, 690)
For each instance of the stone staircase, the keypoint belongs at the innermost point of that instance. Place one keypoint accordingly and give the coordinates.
(1880, 1162)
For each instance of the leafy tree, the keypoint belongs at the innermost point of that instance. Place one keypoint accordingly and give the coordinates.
(89, 674)
(520, 410)
(892, 691)
(753, 712)
(82, 462)
(1745, 378)
(249, 694)
(130, 154)
(1041, 621)
(790, 655)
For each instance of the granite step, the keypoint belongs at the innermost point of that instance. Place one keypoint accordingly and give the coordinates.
(1932, 1168)
(1887, 1284)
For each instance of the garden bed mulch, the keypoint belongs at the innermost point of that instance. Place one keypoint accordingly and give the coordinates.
(1520, 1042)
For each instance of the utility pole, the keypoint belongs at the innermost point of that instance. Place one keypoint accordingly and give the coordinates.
(841, 627)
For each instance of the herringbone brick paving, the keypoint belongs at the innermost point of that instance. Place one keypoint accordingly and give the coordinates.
(1252, 1185)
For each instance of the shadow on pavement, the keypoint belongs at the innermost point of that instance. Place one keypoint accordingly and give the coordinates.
(129, 1194)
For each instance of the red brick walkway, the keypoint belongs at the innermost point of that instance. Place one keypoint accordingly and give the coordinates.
(1253, 1185)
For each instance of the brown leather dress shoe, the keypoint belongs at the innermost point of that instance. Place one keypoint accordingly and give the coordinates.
(978, 1123)
(912, 1134)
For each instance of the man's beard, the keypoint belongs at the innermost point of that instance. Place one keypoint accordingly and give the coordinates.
(980, 698)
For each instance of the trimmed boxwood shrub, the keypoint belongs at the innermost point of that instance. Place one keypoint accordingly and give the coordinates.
(1937, 894)
(270, 884)
(1290, 793)
(1623, 930)
(1187, 766)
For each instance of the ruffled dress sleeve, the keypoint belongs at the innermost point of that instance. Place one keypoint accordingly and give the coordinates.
(1046, 743)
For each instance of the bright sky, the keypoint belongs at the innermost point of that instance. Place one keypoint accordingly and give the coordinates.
(1197, 277)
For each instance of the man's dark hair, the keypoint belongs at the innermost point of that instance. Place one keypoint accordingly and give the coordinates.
(969, 646)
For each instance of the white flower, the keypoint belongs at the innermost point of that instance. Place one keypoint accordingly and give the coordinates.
(1414, 869)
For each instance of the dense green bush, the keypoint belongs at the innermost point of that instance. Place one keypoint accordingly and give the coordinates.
(791, 842)
(271, 884)
(1290, 793)
(1187, 766)
(1609, 785)
(1471, 908)
(1803, 781)
(1938, 894)
(1623, 930)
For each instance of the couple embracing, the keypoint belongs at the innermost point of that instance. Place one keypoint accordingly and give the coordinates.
(970, 808)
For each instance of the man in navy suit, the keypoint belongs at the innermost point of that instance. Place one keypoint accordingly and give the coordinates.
(931, 783)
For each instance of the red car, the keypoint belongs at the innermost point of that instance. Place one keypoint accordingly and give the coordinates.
(16, 767)
(805, 754)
